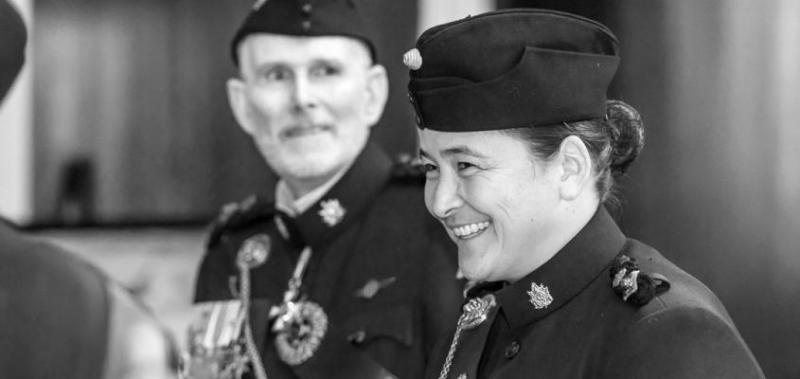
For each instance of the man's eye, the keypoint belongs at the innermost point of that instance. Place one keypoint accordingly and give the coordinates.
(277, 74)
(428, 167)
(324, 70)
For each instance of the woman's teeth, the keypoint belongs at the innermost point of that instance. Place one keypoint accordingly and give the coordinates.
(470, 230)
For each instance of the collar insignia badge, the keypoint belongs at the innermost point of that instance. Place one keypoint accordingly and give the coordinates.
(540, 296)
(372, 287)
(332, 212)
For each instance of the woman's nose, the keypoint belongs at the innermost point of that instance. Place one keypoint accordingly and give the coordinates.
(444, 198)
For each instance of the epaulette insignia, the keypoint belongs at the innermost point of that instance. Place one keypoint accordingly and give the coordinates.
(232, 216)
(408, 168)
(632, 285)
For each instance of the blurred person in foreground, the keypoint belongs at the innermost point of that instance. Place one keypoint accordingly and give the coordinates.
(358, 280)
(59, 316)
(522, 150)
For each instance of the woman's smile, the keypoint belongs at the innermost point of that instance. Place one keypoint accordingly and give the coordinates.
(468, 231)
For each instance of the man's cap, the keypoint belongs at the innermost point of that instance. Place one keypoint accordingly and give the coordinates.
(511, 69)
(12, 46)
(306, 18)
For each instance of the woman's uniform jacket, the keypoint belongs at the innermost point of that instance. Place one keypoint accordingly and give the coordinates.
(564, 320)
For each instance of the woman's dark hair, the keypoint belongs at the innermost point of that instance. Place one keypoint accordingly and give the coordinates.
(613, 143)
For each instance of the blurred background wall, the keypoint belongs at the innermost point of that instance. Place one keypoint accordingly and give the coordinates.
(717, 187)
(128, 124)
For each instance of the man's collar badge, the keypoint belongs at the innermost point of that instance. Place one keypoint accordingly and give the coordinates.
(540, 296)
(332, 212)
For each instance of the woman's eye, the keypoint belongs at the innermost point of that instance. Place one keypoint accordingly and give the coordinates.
(464, 166)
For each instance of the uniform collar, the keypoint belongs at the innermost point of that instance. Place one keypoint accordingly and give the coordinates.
(566, 274)
(329, 216)
(287, 203)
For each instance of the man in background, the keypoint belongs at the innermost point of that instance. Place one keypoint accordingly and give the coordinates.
(59, 316)
(358, 281)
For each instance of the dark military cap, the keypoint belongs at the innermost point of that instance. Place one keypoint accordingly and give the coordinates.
(510, 69)
(306, 18)
(12, 46)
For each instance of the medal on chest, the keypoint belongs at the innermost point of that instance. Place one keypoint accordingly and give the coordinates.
(299, 324)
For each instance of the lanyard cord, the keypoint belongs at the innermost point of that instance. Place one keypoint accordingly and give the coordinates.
(293, 288)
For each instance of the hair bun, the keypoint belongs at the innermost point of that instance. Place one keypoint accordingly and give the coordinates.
(626, 129)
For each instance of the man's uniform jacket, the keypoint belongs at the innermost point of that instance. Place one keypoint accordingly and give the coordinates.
(385, 236)
(587, 331)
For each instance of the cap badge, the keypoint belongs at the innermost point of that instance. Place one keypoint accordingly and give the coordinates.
(332, 212)
(540, 296)
(412, 59)
(258, 4)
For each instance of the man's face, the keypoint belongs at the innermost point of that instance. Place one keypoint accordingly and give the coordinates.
(308, 102)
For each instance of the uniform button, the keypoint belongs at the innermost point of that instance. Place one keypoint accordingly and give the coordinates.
(410, 99)
(512, 350)
(306, 8)
(306, 25)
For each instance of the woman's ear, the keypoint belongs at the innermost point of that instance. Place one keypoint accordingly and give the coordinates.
(238, 102)
(377, 93)
(576, 168)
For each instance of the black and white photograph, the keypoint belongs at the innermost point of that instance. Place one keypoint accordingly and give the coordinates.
(416, 189)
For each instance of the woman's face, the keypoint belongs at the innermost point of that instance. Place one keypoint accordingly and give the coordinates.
(493, 197)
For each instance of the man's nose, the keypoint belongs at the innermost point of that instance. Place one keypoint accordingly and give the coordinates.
(445, 198)
(303, 93)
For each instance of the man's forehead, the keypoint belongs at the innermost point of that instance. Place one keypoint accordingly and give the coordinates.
(263, 48)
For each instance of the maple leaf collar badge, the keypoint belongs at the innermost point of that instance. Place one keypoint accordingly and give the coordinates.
(331, 212)
(540, 296)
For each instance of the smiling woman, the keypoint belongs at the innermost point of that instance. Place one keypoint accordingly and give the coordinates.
(522, 149)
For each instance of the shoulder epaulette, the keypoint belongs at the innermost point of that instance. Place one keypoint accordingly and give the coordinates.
(408, 169)
(632, 285)
(238, 215)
